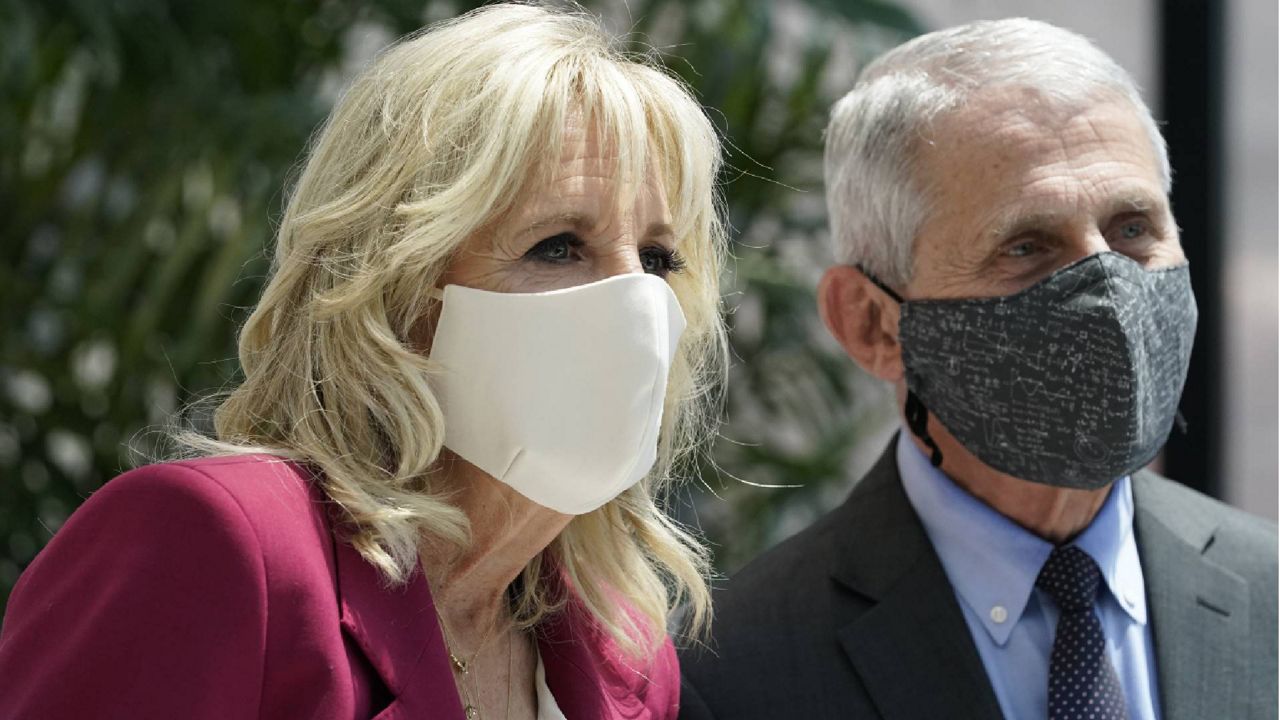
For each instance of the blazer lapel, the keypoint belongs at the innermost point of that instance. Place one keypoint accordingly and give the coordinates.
(398, 632)
(1199, 610)
(565, 644)
(912, 648)
(396, 628)
(586, 673)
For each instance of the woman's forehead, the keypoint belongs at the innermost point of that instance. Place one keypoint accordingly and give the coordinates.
(587, 190)
(590, 157)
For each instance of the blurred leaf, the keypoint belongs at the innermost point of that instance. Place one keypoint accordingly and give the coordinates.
(875, 13)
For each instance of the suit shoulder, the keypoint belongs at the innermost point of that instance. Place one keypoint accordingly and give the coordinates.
(764, 618)
(806, 557)
(245, 477)
(160, 571)
(799, 558)
(265, 505)
(778, 616)
(263, 487)
(1242, 541)
(766, 588)
(1167, 497)
(177, 507)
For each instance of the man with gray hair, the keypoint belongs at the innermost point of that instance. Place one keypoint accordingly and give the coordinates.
(998, 195)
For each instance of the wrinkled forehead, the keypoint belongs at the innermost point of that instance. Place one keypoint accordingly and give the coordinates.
(998, 169)
(998, 110)
(585, 142)
(1015, 134)
(620, 150)
(578, 156)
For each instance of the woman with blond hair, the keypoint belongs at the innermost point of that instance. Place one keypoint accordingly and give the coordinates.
(487, 344)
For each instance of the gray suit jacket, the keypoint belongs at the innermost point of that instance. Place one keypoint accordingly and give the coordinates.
(855, 618)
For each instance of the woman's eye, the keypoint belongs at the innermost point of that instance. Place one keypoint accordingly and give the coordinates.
(660, 261)
(555, 249)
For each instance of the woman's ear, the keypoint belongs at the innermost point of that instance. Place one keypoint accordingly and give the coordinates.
(863, 319)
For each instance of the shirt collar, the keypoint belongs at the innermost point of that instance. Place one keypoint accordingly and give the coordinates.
(992, 562)
(1110, 542)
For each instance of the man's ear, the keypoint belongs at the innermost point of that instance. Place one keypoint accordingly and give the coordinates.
(863, 319)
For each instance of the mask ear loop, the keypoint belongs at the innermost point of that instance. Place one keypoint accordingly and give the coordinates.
(916, 413)
(880, 284)
(918, 421)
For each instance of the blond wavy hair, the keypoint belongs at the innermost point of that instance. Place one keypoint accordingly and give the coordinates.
(440, 136)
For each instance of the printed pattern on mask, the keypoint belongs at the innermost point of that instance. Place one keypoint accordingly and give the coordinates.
(1072, 382)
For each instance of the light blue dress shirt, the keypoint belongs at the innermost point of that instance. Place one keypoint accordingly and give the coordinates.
(992, 564)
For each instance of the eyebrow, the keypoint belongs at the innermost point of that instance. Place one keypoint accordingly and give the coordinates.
(582, 223)
(1017, 223)
(575, 220)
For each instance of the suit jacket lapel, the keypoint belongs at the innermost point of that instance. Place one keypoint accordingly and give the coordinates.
(397, 630)
(1199, 610)
(912, 648)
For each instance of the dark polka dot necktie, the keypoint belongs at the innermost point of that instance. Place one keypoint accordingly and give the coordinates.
(1082, 683)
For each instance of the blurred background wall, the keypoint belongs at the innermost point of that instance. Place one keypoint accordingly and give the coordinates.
(145, 145)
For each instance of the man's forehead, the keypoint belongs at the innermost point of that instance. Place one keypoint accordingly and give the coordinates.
(995, 170)
(991, 117)
(1005, 141)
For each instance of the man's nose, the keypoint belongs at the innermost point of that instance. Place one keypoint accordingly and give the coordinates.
(1087, 242)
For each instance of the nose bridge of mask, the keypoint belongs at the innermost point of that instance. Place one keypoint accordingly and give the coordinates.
(1152, 347)
(1116, 295)
(1124, 275)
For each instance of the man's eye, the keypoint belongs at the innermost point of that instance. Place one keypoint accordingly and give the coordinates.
(1023, 249)
(1133, 230)
(660, 261)
(555, 249)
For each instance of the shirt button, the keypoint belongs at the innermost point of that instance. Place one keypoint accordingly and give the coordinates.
(999, 614)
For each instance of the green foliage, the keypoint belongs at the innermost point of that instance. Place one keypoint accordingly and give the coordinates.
(144, 146)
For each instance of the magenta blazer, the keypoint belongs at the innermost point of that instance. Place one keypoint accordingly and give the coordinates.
(216, 588)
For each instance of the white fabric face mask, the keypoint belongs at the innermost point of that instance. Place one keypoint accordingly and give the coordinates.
(558, 394)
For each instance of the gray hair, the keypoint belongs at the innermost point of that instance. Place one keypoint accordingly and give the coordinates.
(875, 200)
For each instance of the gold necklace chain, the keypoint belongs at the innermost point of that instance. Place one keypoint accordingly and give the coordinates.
(460, 665)
(463, 668)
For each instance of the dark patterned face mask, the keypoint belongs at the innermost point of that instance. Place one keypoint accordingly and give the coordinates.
(1073, 382)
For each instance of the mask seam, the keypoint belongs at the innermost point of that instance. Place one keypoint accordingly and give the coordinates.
(1136, 421)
